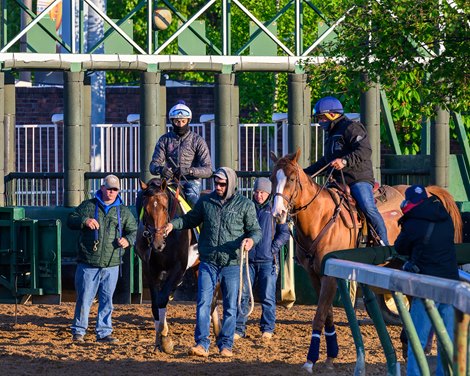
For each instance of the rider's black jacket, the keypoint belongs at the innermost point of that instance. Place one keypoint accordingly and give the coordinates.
(348, 140)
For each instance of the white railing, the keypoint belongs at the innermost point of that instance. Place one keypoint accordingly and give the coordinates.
(37, 150)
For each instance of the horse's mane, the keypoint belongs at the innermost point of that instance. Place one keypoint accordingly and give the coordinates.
(153, 186)
(448, 201)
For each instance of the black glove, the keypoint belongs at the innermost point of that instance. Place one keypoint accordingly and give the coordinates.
(182, 171)
(167, 173)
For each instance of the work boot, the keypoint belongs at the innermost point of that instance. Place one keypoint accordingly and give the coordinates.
(199, 350)
(107, 339)
(266, 336)
(78, 338)
(226, 353)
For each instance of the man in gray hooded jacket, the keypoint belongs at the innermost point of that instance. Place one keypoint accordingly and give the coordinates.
(230, 226)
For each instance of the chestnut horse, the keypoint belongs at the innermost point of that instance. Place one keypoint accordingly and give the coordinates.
(323, 224)
(165, 259)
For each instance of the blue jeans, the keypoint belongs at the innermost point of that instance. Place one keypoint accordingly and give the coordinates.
(229, 277)
(192, 191)
(265, 274)
(89, 281)
(362, 193)
(423, 327)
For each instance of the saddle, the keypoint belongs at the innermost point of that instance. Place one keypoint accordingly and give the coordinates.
(353, 218)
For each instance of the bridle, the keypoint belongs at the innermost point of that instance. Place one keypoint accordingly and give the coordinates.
(293, 211)
(150, 231)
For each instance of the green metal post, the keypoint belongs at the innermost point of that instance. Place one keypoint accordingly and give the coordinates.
(370, 117)
(235, 114)
(440, 148)
(299, 116)
(447, 349)
(462, 343)
(152, 118)
(86, 116)
(410, 329)
(388, 121)
(2, 133)
(393, 367)
(10, 133)
(73, 139)
(226, 127)
(353, 324)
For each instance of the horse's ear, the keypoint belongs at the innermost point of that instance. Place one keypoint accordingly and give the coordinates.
(297, 155)
(143, 186)
(164, 184)
(273, 156)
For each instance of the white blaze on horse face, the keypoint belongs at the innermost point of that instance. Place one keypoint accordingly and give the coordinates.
(279, 210)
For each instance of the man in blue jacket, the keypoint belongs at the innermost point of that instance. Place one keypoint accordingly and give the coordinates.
(229, 226)
(263, 263)
(427, 237)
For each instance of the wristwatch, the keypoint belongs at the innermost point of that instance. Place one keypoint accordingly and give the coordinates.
(344, 161)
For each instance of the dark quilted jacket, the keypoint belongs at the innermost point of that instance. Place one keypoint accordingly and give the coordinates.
(187, 151)
(225, 225)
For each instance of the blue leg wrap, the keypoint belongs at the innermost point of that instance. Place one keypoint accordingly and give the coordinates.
(331, 342)
(314, 349)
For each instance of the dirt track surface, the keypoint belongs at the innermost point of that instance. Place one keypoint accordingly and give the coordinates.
(40, 343)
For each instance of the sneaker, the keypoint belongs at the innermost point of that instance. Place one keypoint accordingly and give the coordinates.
(266, 336)
(107, 339)
(226, 353)
(78, 338)
(198, 350)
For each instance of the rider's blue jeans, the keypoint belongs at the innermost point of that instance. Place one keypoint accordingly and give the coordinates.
(264, 274)
(192, 191)
(362, 193)
(423, 327)
(229, 277)
(89, 281)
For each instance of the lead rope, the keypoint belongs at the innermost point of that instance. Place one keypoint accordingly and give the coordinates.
(244, 260)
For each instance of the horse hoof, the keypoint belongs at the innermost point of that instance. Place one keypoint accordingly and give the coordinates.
(167, 345)
(308, 367)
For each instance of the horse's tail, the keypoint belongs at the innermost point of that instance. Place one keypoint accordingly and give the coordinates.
(450, 205)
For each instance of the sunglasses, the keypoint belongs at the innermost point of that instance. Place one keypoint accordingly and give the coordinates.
(220, 184)
(112, 189)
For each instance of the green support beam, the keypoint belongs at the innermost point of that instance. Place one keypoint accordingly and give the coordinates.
(370, 117)
(376, 315)
(152, 117)
(2, 134)
(10, 131)
(413, 340)
(389, 124)
(440, 148)
(226, 121)
(73, 139)
(299, 116)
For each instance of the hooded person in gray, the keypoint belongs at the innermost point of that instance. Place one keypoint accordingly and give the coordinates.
(229, 226)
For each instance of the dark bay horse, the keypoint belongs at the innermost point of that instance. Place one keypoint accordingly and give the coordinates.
(165, 259)
(323, 224)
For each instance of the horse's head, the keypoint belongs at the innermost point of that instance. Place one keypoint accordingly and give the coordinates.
(285, 179)
(154, 217)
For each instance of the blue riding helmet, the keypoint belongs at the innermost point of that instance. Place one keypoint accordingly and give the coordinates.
(327, 105)
(180, 111)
